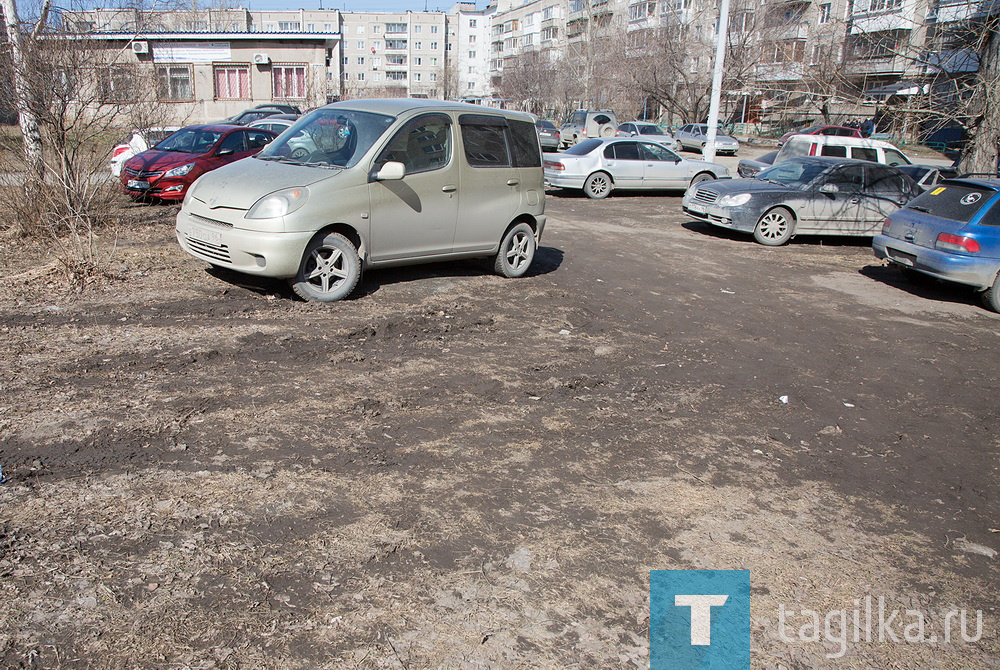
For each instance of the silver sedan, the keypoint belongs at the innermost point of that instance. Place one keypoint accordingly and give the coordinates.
(598, 166)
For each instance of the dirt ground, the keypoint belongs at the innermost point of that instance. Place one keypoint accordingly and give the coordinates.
(453, 470)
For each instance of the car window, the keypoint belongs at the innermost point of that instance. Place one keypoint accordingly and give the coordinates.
(957, 202)
(190, 140)
(864, 154)
(527, 151)
(650, 130)
(793, 173)
(602, 119)
(423, 144)
(893, 157)
(833, 150)
(886, 183)
(850, 178)
(235, 142)
(654, 152)
(329, 137)
(583, 148)
(257, 139)
(485, 141)
(625, 151)
(625, 127)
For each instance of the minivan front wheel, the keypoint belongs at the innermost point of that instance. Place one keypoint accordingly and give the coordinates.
(329, 271)
(517, 250)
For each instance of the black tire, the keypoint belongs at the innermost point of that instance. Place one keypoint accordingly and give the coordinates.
(329, 271)
(991, 296)
(700, 177)
(775, 227)
(598, 185)
(517, 251)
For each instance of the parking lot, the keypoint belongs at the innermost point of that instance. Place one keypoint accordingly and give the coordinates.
(454, 470)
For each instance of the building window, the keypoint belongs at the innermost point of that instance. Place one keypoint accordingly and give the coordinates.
(418, 29)
(376, 62)
(472, 69)
(361, 60)
(418, 45)
(395, 76)
(471, 85)
(174, 82)
(361, 76)
(361, 45)
(376, 29)
(882, 5)
(434, 29)
(232, 82)
(195, 26)
(418, 61)
(395, 28)
(117, 85)
(472, 54)
(434, 60)
(395, 44)
(288, 81)
(311, 27)
(327, 27)
(416, 76)
(289, 26)
(824, 13)
(434, 46)
(434, 76)
(345, 60)
(360, 30)
(472, 39)
(395, 60)
(378, 76)
(549, 33)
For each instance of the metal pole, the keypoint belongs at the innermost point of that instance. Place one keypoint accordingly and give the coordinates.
(720, 60)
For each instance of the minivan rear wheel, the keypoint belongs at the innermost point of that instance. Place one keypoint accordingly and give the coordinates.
(991, 296)
(517, 250)
(329, 271)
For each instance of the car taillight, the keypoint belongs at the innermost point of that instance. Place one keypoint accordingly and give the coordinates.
(885, 225)
(957, 243)
(552, 165)
(584, 132)
(119, 150)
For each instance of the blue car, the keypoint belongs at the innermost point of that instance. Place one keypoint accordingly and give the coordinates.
(951, 232)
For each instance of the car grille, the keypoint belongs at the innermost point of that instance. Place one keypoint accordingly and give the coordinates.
(142, 175)
(213, 252)
(705, 195)
(211, 222)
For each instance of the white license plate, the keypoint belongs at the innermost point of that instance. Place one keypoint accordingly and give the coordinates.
(139, 185)
(206, 236)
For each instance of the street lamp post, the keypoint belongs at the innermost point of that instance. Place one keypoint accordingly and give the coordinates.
(720, 60)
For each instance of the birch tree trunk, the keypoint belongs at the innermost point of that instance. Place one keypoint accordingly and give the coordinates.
(983, 144)
(28, 120)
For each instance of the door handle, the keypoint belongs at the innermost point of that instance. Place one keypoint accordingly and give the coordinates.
(513, 182)
(449, 188)
(855, 201)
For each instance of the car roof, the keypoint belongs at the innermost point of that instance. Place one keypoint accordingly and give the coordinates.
(831, 160)
(397, 106)
(983, 182)
(843, 140)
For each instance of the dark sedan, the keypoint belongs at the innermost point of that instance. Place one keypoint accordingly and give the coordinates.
(749, 167)
(803, 196)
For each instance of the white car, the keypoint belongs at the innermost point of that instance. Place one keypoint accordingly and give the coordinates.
(694, 136)
(599, 166)
(135, 143)
(644, 130)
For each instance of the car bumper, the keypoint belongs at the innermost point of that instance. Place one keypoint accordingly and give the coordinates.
(969, 270)
(557, 180)
(719, 216)
(267, 254)
(165, 189)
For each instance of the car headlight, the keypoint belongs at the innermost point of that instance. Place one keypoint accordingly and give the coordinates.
(734, 200)
(179, 171)
(278, 203)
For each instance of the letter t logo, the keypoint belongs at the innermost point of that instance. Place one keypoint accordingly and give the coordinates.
(701, 615)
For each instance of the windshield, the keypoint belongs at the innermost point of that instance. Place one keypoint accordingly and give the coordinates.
(328, 137)
(583, 148)
(190, 140)
(546, 125)
(650, 130)
(792, 173)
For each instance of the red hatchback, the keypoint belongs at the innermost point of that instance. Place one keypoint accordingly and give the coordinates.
(166, 170)
(840, 131)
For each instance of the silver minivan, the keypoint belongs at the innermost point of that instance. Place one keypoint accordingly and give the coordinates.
(373, 183)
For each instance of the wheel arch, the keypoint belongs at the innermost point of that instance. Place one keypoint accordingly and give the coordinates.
(348, 231)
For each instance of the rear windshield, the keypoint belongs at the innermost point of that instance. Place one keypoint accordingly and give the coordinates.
(957, 202)
(583, 148)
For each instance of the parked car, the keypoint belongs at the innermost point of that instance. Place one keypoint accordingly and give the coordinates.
(647, 131)
(838, 131)
(951, 232)
(858, 148)
(390, 182)
(803, 196)
(548, 135)
(599, 166)
(248, 116)
(694, 136)
(136, 142)
(928, 176)
(583, 124)
(169, 168)
(285, 109)
(278, 123)
(749, 167)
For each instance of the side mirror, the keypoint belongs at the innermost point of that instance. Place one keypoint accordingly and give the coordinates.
(391, 171)
(225, 152)
(829, 189)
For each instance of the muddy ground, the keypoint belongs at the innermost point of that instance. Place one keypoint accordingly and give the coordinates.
(453, 470)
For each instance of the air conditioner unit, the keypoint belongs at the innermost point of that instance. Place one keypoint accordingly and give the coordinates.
(261, 59)
(140, 47)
